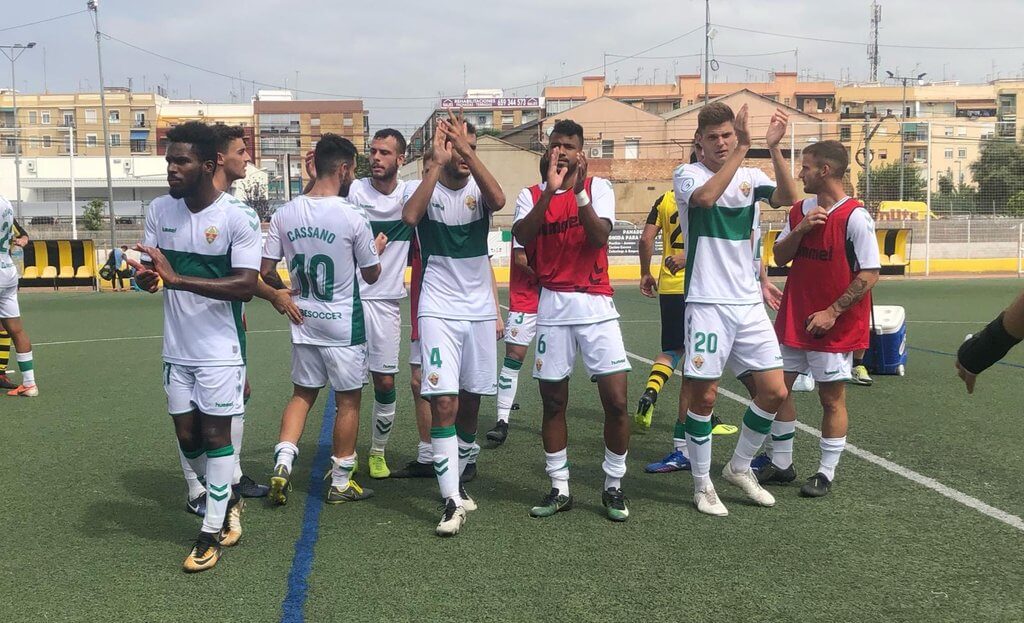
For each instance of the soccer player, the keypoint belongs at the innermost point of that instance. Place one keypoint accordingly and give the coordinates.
(18, 239)
(451, 209)
(726, 322)
(566, 220)
(520, 328)
(205, 247)
(825, 308)
(982, 350)
(11, 327)
(324, 238)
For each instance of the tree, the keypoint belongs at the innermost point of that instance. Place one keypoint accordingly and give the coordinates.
(962, 199)
(999, 173)
(362, 166)
(256, 198)
(885, 184)
(1015, 206)
(93, 215)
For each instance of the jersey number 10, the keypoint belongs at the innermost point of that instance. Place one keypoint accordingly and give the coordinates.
(316, 277)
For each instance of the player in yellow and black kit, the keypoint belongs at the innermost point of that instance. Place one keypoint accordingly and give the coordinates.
(664, 218)
(20, 238)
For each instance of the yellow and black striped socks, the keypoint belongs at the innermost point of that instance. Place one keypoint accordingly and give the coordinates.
(660, 374)
(5, 350)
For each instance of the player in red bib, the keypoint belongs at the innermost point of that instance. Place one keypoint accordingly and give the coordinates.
(825, 308)
(566, 220)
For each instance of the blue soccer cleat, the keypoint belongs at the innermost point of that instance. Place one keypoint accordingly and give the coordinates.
(674, 462)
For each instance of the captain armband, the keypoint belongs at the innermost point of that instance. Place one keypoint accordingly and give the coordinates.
(981, 350)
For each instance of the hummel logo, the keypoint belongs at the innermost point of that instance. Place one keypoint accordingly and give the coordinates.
(169, 230)
(437, 206)
(829, 372)
(618, 361)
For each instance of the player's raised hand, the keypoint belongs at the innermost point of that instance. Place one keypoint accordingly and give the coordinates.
(146, 278)
(741, 127)
(380, 241)
(457, 134)
(441, 148)
(556, 172)
(648, 285)
(161, 265)
(310, 164)
(813, 219)
(776, 128)
(285, 306)
(969, 378)
(581, 172)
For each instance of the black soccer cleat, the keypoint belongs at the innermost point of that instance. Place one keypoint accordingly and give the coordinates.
(197, 505)
(498, 434)
(5, 383)
(469, 474)
(249, 488)
(816, 486)
(771, 474)
(415, 469)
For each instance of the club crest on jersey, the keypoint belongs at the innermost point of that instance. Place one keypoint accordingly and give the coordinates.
(471, 203)
(698, 361)
(514, 331)
(211, 234)
(433, 378)
(745, 189)
(540, 364)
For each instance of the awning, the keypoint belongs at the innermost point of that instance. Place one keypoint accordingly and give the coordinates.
(140, 134)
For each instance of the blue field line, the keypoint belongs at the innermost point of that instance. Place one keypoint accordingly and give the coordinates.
(942, 352)
(294, 605)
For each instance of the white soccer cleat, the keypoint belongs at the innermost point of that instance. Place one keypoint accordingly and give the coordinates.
(467, 502)
(747, 481)
(707, 502)
(452, 519)
(803, 383)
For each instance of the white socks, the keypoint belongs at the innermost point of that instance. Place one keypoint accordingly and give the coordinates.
(28, 373)
(698, 442)
(341, 470)
(614, 467)
(220, 464)
(284, 454)
(782, 443)
(384, 406)
(831, 448)
(557, 468)
(757, 423)
(508, 382)
(237, 429)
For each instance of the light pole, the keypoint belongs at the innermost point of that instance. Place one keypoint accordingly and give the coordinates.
(13, 52)
(903, 115)
(93, 5)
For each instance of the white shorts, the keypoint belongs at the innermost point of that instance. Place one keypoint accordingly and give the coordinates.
(741, 336)
(415, 357)
(822, 367)
(9, 303)
(600, 346)
(383, 335)
(213, 390)
(458, 355)
(520, 328)
(344, 367)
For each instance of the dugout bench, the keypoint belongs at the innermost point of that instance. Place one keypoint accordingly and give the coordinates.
(56, 263)
(893, 252)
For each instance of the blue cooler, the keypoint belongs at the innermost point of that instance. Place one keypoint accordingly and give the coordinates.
(888, 351)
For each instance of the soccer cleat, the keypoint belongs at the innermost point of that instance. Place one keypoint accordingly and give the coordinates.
(468, 474)
(197, 505)
(747, 481)
(352, 492)
(771, 474)
(803, 383)
(645, 411)
(615, 504)
(452, 519)
(708, 503)
(718, 428)
(860, 376)
(5, 383)
(552, 503)
(415, 469)
(248, 488)
(498, 434)
(204, 555)
(378, 466)
(467, 502)
(231, 533)
(760, 461)
(30, 391)
(280, 485)
(674, 462)
(816, 486)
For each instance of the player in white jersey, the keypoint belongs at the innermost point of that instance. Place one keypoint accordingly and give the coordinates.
(324, 238)
(205, 247)
(726, 322)
(10, 312)
(451, 209)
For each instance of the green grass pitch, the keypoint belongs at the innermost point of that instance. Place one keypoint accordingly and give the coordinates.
(96, 531)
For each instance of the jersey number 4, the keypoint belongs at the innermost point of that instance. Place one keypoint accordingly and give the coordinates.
(315, 277)
(5, 238)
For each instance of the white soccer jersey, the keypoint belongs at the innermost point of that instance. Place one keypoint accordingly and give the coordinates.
(200, 331)
(385, 214)
(719, 253)
(8, 270)
(453, 244)
(324, 240)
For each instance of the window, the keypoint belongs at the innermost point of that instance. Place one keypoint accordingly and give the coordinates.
(961, 131)
(347, 122)
(607, 149)
(883, 154)
(47, 141)
(508, 120)
(314, 122)
(115, 140)
(114, 116)
(45, 116)
(786, 101)
(33, 142)
(922, 154)
(632, 148)
(90, 140)
(962, 153)
(947, 131)
(948, 154)
(139, 145)
(140, 118)
(68, 118)
(32, 117)
(689, 102)
(844, 133)
(90, 115)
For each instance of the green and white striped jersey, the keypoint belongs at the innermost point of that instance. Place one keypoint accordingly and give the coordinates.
(324, 240)
(385, 215)
(719, 253)
(200, 331)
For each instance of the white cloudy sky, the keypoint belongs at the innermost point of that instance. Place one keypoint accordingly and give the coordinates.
(399, 56)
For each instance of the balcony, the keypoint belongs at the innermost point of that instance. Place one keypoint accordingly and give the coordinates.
(141, 125)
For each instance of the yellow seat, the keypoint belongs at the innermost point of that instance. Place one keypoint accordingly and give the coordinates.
(66, 272)
(31, 272)
(49, 273)
(85, 272)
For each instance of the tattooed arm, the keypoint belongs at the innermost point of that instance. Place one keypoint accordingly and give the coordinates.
(820, 322)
